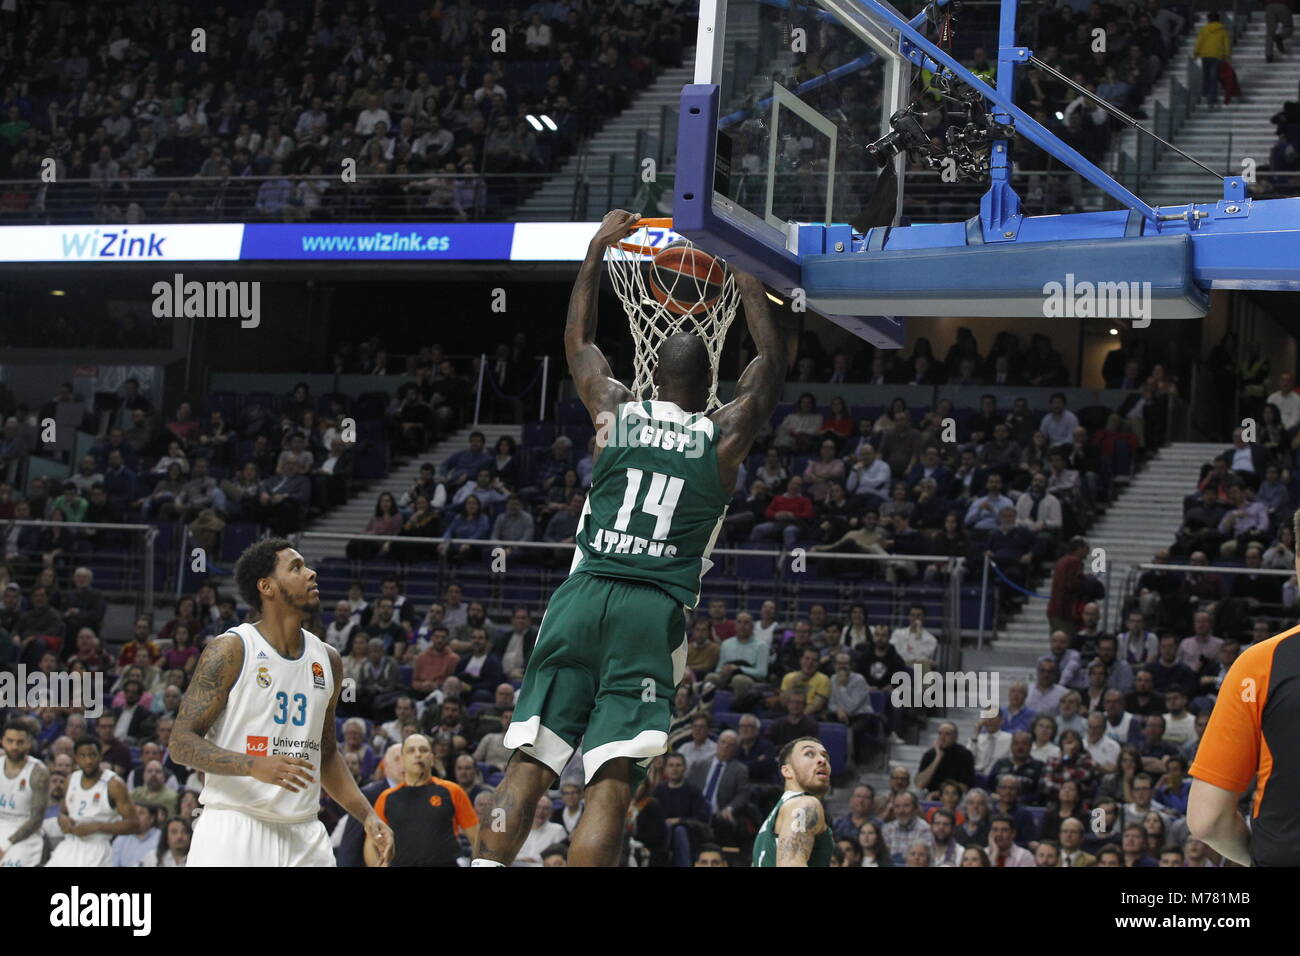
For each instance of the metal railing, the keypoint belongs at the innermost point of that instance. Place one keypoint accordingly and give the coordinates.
(1136, 571)
(985, 592)
(439, 197)
(485, 377)
(136, 562)
(783, 570)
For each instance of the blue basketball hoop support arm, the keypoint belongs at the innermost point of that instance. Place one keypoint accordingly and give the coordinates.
(924, 54)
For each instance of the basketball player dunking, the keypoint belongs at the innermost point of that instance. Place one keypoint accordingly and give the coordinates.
(611, 647)
(258, 720)
(96, 807)
(24, 795)
(795, 833)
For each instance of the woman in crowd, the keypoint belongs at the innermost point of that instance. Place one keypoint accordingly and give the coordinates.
(386, 520)
(874, 850)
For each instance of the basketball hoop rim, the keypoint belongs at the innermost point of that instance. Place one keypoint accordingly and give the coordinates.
(652, 223)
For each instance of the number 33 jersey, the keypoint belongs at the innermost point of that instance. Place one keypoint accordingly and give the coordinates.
(656, 502)
(276, 706)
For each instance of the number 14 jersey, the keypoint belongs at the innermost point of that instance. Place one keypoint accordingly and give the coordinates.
(656, 503)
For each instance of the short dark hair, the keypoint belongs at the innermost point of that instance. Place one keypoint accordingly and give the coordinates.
(89, 741)
(1054, 396)
(944, 812)
(708, 848)
(479, 435)
(783, 757)
(18, 723)
(257, 562)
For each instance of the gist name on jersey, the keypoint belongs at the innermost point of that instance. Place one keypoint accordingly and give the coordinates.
(633, 430)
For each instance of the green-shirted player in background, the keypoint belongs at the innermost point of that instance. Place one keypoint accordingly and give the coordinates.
(611, 647)
(795, 833)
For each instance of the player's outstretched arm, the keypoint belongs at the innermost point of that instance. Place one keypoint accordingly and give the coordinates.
(337, 780)
(759, 387)
(599, 390)
(797, 827)
(216, 673)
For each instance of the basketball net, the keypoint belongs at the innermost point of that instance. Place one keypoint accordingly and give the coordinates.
(652, 321)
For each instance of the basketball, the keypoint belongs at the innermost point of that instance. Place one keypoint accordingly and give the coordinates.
(686, 280)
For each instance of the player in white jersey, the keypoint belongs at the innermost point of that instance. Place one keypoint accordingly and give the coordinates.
(24, 795)
(258, 720)
(96, 808)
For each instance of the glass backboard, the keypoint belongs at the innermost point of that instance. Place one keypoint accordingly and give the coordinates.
(804, 89)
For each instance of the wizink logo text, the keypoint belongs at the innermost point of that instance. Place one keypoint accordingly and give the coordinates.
(209, 300)
(378, 242)
(21, 690)
(77, 909)
(951, 689)
(1101, 300)
(113, 244)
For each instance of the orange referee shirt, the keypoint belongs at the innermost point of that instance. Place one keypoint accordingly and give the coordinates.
(426, 821)
(1254, 732)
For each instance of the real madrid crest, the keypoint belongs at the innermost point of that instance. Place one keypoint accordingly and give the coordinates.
(263, 677)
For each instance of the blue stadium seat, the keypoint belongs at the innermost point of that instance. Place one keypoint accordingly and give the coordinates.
(370, 406)
(538, 435)
(265, 400)
(406, 672)
(225, 402)
(571, 412)
(237, 536)
(726, 721)
(721, 701)
(835, 737)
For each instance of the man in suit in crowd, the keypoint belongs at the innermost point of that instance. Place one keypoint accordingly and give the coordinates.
(724, 781)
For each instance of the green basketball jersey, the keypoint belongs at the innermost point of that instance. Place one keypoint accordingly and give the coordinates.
(765, 842)
(656, 503)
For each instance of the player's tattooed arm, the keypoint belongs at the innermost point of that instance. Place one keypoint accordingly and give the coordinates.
(40, 785)
(217, 670)
(803, 821)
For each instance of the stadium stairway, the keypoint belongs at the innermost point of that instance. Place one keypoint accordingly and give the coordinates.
(615, 145)
(351, 518)
(1145, 517)
(613, 148)
(1221, 138)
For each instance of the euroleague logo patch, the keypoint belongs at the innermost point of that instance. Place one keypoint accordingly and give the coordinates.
(263, 677)
(318, 675)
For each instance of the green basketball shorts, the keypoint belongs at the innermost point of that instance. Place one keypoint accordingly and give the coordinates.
(608, 658)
